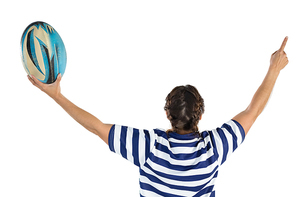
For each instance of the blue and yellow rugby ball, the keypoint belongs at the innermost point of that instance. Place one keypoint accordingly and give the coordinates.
(43, 52)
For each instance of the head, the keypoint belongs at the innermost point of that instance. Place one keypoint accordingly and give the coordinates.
(184, 108)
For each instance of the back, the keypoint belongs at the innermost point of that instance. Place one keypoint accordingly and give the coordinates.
(174, 164)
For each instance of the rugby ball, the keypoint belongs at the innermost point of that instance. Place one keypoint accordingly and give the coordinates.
(43, 52)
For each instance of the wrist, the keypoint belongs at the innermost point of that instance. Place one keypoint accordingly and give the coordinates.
(272, 69)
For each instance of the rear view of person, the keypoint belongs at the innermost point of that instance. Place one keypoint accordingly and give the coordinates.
(181, 161)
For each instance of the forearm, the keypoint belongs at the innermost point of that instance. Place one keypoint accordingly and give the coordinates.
(247, 117)
(84, 118)
(263, 93)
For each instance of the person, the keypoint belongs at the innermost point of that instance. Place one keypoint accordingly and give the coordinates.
(181, 161)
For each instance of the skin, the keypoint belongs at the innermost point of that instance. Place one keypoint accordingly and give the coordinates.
(246, 118)
(278, 61)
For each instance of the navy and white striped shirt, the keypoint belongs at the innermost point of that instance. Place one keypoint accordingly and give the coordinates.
(177, 165)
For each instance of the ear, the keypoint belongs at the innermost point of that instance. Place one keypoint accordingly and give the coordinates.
(200, 117)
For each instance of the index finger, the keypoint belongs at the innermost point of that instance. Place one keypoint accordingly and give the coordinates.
(284, 44)
(36, 82)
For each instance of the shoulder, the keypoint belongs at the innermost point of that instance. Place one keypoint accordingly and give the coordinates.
(231, 129)
(159, 132)
(127, 131)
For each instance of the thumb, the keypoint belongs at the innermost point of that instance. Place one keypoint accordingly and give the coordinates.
(59, 78)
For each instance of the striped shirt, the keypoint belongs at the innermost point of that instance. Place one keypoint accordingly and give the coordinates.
(176, 165)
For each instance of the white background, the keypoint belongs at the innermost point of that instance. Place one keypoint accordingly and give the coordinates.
(124, 57)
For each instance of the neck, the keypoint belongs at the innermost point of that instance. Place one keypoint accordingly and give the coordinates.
(183, 132)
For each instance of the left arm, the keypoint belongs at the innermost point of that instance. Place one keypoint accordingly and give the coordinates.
(278, 61)
(84, 118)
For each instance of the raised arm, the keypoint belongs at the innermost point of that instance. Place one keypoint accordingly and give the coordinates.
(277, 62)
(84, 118)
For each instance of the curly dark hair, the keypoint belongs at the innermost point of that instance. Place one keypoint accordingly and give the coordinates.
(184, 107)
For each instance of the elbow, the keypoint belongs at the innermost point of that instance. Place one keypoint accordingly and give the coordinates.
(252, 114)
(254, 111)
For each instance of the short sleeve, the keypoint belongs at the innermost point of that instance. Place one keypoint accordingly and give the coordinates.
(227, 138)
(132, 144)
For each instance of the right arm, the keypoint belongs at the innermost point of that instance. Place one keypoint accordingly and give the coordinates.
(277, 62)
(87, 120)
(84, 118)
